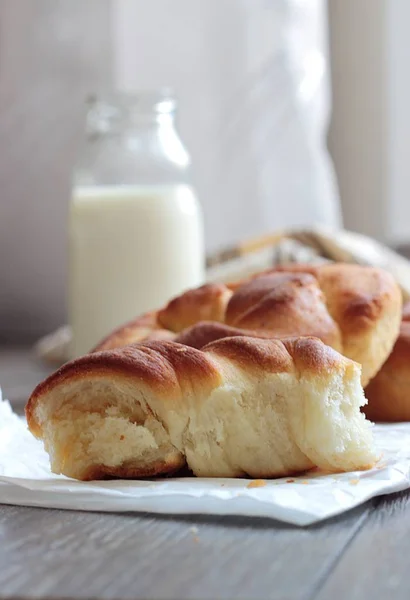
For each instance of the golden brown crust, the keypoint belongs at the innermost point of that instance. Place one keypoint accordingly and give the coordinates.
(277, 356)
(240, 406)
(206, 303)
(357, 296)
(355, 309)
(168, 368)
(165, 366)
(367, 304)
(286, 304)
(141, 329)
(253, 354)
(389, 392)
(311, 356)
(204, 333)
(280, 286)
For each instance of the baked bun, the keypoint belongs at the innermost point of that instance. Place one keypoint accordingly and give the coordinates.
(142, 328)
(242, 406)
(354, 309)
(205, 332)
(389, 392)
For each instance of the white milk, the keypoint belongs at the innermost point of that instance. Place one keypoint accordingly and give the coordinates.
(131, 249)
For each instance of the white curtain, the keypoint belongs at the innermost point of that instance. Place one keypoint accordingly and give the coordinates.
(251, 77)
(370, 133)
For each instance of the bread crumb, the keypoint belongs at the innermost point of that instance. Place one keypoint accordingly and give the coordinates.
(193, 529)
(354, 481)
(290, 481)
(256, 483)
(305, 482)
(196, 539)
(122, 437)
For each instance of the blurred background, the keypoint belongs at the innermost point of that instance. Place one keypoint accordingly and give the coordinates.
(295, 113)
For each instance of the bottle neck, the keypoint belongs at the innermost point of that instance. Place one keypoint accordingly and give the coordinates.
(131, 143)
(124, 113)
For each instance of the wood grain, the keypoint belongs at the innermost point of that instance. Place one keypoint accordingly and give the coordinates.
(56, 554)
(376, 564)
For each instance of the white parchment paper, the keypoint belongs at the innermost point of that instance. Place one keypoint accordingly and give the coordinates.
(26, 479)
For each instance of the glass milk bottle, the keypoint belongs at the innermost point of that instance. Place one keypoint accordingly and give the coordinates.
(135, 225)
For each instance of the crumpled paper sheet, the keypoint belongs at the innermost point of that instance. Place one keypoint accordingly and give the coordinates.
(26, 480)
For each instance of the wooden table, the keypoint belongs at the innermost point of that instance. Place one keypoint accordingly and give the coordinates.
(58, 554)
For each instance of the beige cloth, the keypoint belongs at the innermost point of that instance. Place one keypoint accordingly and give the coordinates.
(313, 246)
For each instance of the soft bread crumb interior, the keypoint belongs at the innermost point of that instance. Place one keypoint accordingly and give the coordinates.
(239, 432)
(265, 426)
(280, 424)
(86, 433)
(331, 429)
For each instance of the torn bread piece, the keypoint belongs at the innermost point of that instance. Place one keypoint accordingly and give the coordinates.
(239, 407)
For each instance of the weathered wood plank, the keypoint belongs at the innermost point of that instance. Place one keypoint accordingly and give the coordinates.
(55, 554)
(376, 564)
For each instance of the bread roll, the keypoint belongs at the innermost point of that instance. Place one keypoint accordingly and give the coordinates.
(206, 303)
(139, 329)
(389, 392)
(205, 332)
(355, 309)
(241, 407)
